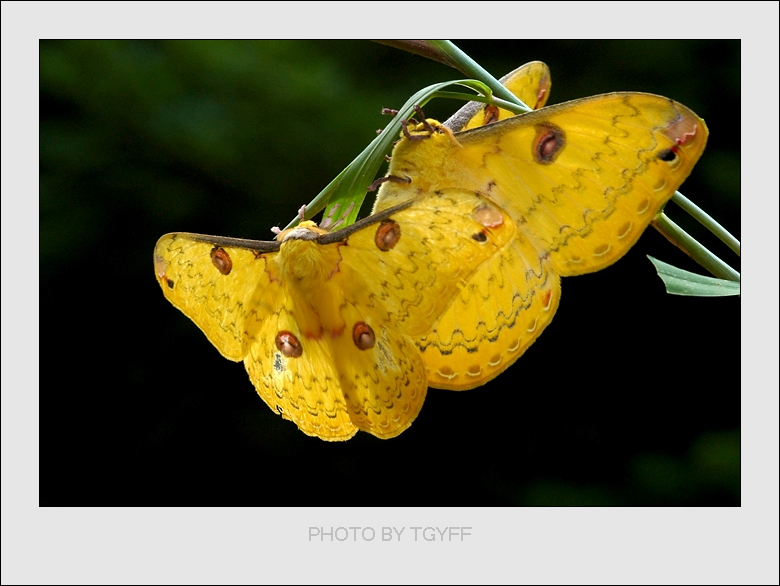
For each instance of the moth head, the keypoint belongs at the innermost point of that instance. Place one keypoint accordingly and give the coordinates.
(306, 230)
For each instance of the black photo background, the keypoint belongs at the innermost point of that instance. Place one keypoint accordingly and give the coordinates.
(630, 397)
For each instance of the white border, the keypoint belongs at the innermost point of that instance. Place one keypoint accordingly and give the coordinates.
(738, 545)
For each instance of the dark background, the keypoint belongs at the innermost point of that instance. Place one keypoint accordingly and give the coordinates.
(631, 396)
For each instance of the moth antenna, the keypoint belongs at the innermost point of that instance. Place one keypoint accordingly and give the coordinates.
(408, 136)
(404, 124)
(425, 122)
(395, 179)
(389, 112)
(302, 212)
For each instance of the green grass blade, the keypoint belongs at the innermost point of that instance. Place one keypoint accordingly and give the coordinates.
(691, 247)
(468, 66)
(705, 220)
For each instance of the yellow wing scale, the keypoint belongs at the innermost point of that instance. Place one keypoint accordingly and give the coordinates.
(224, 308)
(442, 243)
(385, 386)
(303, 389)
(498, 314)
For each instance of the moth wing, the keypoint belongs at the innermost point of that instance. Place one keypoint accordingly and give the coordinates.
(226, 290)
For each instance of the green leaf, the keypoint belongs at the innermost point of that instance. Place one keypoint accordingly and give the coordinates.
(680, 282)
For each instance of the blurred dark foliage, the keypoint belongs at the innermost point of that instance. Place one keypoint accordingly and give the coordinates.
(631, 396)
